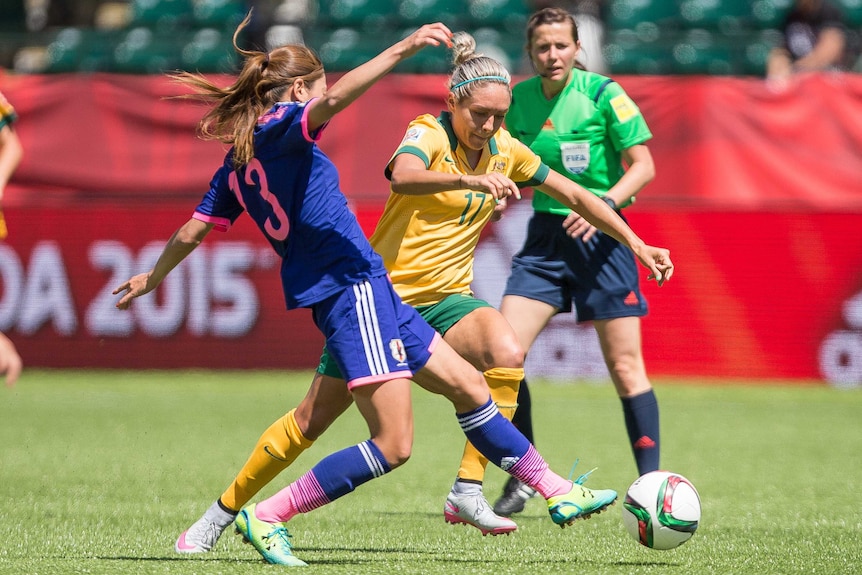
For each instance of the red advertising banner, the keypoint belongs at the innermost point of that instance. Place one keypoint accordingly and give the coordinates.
(758, 195)
(223, 307)
(755, 296)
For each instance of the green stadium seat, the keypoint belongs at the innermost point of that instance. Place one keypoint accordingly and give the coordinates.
(508, 16)
(728, 16)
(417, 12)
(627, 14)
(143, 51)
(210, 51)
(756, 51)
(702, 52)
(626, 53)
(852, 11)
(370, 16)
(345, 48)
(505, 48)
(80, 50)
(220, 14)
(769, 13)
(162, 15)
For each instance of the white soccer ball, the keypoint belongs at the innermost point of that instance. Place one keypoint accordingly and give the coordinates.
(661, 510)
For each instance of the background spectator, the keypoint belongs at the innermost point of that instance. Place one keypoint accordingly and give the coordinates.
(814, 39)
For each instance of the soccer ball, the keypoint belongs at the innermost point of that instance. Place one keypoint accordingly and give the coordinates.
(661, 510)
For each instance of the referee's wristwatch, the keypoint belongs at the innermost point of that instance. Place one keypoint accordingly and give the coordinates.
(610, 201)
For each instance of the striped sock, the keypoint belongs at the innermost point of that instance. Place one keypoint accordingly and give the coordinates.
(497, 439)
(334, 476)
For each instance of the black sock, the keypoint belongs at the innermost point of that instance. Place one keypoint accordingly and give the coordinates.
(523, 418)
(641, 417)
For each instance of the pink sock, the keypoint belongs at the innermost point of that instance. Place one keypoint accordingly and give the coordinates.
(278, 508)
(301, 496)
(533, 470)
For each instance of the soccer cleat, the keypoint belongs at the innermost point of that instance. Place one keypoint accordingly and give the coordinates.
(201, 537)
(270, 539)
(474, 510)
(514, 498)
(579, 502)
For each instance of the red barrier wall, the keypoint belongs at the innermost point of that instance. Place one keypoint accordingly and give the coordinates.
(759, 197)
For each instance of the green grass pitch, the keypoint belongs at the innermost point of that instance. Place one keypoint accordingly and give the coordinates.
(100, 471)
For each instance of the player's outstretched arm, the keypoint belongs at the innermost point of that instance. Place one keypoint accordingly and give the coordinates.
(599, 214)
(354, 83)
(182, 243)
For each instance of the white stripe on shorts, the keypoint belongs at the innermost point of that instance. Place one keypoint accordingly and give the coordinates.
(372, 343)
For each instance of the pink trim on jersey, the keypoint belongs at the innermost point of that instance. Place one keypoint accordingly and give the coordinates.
(304, 124)
(221, 224)
(380, 378)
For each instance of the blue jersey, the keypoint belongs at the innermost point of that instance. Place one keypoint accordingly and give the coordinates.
(291, 190)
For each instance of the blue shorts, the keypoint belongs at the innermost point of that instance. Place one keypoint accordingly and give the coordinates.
(600, 276)
(441, 316)
(372, 335)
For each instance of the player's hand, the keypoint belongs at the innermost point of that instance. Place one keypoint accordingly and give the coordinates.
(658, 262)
(501, 206)
(428, 35)
(578, 227)
(498, 185)
(10, 361)
(134, 287)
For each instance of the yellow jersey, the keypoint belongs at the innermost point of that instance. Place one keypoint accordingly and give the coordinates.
(427, 241)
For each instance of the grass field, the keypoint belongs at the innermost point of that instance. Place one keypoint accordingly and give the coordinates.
(100, 471)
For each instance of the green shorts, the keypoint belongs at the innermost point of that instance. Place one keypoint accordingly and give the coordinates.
(441, 316)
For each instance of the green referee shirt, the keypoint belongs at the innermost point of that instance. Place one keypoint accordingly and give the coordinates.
(580, 133)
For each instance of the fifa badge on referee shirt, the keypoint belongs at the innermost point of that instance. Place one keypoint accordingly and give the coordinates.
(576, 156)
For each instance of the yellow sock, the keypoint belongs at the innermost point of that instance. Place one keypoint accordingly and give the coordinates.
(504, 383)
(276, 449)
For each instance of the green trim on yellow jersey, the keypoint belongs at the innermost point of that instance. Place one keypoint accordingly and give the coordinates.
(427, 241)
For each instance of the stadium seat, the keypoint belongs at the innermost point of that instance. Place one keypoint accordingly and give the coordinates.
(508, 16)
(505, 48)
(756, 51)
(626, 53)
(161, 15)
(622, 14)
(209, 50)
(417, 12)
(769, 13)
(219, 14)
(702, 52)
(369, 16)
(852, 11)
(728, 16)
(80, 50)
(143, 51)
(345, 48)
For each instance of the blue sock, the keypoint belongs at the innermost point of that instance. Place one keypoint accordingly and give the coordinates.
(641, 416)
(343, 471)
(493, 435)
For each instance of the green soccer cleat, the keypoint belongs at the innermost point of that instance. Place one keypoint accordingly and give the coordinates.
(580, 502)
(270, 539)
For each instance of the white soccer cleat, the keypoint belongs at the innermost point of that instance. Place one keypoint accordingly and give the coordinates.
(201, 537)
(475, 510)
